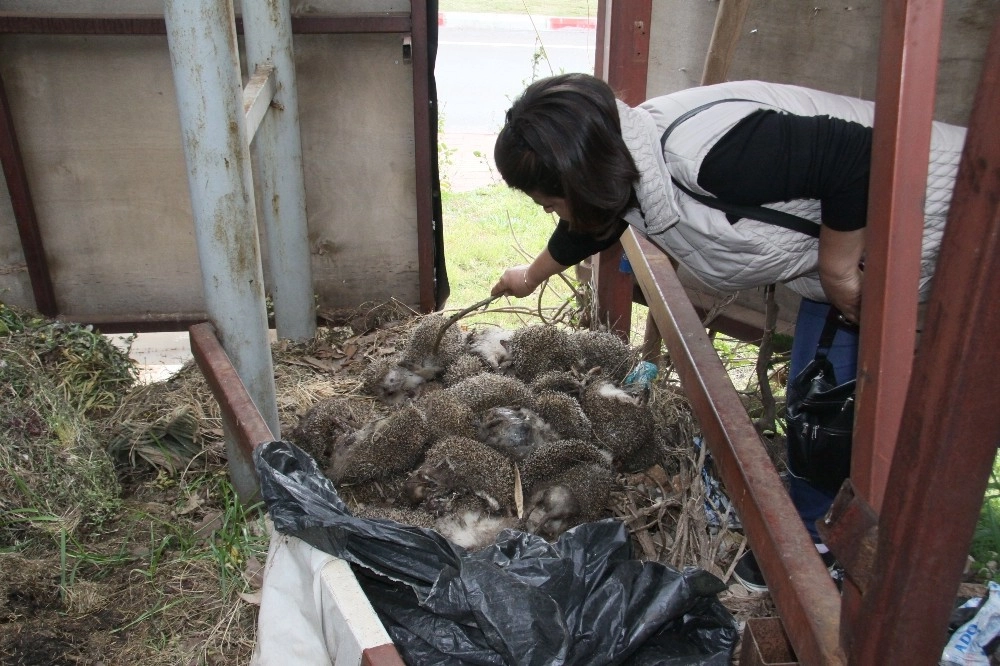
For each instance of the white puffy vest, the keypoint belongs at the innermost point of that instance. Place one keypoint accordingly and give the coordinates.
(748, 254)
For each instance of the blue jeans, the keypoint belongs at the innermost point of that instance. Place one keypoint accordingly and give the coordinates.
(811, 502)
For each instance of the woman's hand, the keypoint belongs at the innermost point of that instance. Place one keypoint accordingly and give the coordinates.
(514, 282)
(844, 292)
(520, 281)
(840, 253)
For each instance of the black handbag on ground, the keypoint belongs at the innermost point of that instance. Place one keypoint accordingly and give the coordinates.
(820, 418)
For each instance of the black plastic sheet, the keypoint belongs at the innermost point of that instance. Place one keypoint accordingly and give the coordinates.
(581, 600)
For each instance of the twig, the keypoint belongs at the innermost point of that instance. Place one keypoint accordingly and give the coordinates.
(739, 554)
(458, 315)
(767, 418)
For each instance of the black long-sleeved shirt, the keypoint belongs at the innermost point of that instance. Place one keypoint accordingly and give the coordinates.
(769, 157)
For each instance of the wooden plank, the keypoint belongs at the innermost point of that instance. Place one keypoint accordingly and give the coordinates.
(725, 35)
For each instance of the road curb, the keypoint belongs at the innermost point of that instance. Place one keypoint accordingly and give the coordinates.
(471, 20)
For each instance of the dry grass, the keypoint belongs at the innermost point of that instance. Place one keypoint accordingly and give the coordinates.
(124, 543)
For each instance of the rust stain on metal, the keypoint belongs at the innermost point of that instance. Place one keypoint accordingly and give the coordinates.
(850, 529)
(800, 585)
(382, 655)
(235, 402)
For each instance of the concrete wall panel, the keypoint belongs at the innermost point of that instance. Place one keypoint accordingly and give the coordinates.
(97, 123)
(356, 110)
(827, 45)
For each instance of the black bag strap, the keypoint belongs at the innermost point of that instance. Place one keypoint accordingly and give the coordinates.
(735, 212)
(833, 322)
(698, 109)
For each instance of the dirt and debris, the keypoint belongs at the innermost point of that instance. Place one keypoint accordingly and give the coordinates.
(121, 540)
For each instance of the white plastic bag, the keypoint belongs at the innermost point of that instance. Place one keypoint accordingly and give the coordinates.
(966, 647)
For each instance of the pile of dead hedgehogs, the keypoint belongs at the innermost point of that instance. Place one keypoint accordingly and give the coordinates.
(473, 431)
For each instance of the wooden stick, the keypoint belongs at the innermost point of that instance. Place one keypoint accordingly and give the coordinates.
(458, 315)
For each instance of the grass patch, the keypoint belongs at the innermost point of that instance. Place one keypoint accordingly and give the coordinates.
(56, 379)
(135, 562)
(985, 548)
(488, 230)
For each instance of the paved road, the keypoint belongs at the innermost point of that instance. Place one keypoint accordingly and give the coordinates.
(483, 64)
(480, 71)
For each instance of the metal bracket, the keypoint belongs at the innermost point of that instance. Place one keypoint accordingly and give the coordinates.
(850, 530)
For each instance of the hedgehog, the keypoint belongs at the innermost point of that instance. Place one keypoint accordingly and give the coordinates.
(621, 422)
(381, 448)
(325, 422)
(650, 451)
(394, 381)
(462, 466)
(492, 345)
(372, 492)
(577, 495)
(563, 381)
(446, 415)
(513, 431)
(552, 458)
(402, 515)
(540, 348)
(605, 350)
(420, 351)
(465, 366)
(487, 390)
(564, 415)
(473, 530)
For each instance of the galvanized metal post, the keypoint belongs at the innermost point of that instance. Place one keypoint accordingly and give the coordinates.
(267, 30)
(203, 54)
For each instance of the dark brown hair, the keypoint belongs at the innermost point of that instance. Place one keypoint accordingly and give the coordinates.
(562, 138)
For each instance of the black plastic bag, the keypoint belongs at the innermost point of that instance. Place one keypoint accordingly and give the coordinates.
(523, 600)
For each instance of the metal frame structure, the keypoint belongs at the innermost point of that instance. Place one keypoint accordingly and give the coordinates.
(415, 25)
(902, 525)
(242, 418)
(901, 531)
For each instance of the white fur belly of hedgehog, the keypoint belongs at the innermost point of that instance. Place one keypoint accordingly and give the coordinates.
(492, 345)
(513, 431)
(577, 495)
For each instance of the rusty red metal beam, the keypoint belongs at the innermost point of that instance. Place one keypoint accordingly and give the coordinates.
(799, 583)
(627, 63)
(951, 424)
(13, 23)
(904, 109)
(24, 212)
(238, 408)
(904, 106)
(383, 655)
(624, 63)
